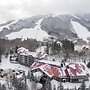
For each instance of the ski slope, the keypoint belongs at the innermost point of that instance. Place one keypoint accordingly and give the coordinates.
(81, 31)
(7, 26)
(34, 33)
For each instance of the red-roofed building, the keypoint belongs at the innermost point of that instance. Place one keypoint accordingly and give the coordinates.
(73, 72)
(78, 71)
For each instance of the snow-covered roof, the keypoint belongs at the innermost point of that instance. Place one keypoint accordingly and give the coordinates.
(78, 69)
(56, 63)
(54, 69)
(23, 50)
(26, 52)
(49, 70)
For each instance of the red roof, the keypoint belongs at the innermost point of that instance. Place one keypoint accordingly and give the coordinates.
(35, 65)
(72, 71)
(75, 69)
(50, 70)
(56, 71)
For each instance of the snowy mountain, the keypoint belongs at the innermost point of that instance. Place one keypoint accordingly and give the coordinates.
(35, 33)
(39, 27)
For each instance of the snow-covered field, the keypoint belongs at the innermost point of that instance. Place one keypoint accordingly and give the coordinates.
(5, 64)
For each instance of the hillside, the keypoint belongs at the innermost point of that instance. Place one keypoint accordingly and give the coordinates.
(38, 27)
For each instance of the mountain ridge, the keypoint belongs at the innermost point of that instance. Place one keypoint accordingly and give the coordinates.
(59, 26)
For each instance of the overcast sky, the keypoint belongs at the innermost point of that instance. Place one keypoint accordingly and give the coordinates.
(14, 9)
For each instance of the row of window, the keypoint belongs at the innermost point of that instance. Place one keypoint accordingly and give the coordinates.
(26, 59)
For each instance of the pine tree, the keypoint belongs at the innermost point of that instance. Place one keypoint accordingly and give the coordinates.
(14, 81)
(1, 52)
(67, 88)
(21, 86)
(54, 88)
(68, 46)
(89, 87)
(47, 48)
(3, 87)
(24, 77)
(75, 88)
(29, 76)
(67, 56)
(88, 65)
(0, 86)
(16, 48)
(60, 86)
(32, 77)
(83, 85)
(48, 84)
(0, 59)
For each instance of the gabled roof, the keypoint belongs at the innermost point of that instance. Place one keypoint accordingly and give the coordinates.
(35, 65)
(78, 69)
(49, 70)
(25, 52)
(55, 63)
(73, 69)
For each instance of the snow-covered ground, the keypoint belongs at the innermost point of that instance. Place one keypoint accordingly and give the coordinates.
(5, 64)
(34, 33)
(81, 31)
(69, 85)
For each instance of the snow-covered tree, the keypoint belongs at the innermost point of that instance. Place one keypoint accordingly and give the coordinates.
(89, 87)
(75, 88)
(24, 77)
(14, 81)
(83, 85)
(60, 87)
(88, 65)
(21, 86)
(32, 77)
(54, 88)
(0, 86)
(3, 87)
(29, 75)
(48, 84)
